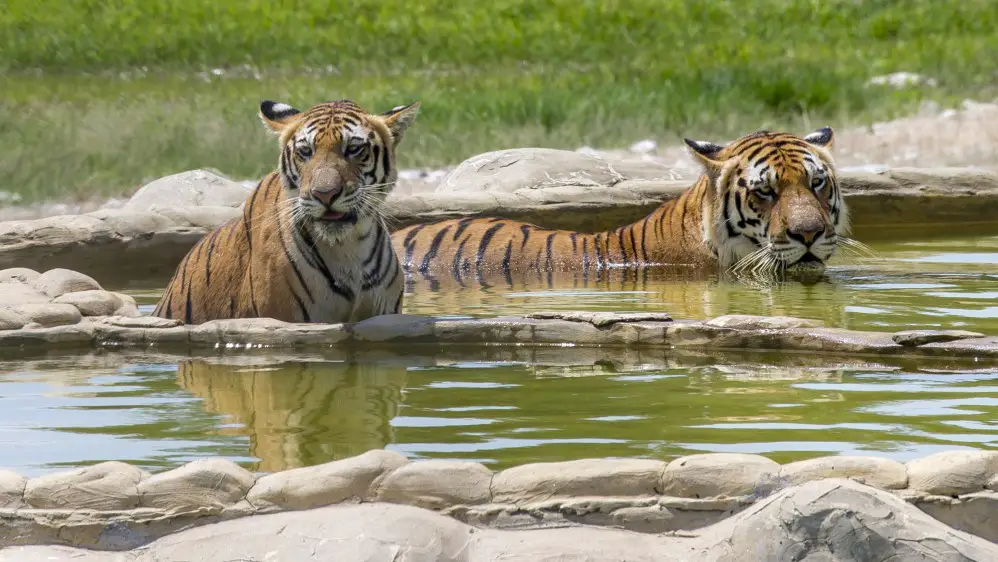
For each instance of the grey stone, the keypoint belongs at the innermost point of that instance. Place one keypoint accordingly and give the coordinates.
(517, 169)
(749, 322)
(10, 319)
(192, 188)
(103, 487)
(11, 490)
(92, 303)
(720, 475)
(914, 338)
(827, 520)
(602, 319)
(58, 281)
(138, 321)
(324, 484)
(204, 483)
(18, 275)
(48, 315)
(16, 294)
(951, 473)
(436, 484)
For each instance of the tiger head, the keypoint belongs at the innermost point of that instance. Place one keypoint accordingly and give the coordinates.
(337, 161)
(774, 203)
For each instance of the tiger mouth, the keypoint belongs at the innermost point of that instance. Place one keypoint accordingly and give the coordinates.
(334, 217)
(807, 258)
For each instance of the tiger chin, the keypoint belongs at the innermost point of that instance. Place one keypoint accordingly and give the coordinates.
(311, 244)
(766, 204)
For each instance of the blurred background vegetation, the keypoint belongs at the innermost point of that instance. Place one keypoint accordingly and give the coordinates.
(98, 97)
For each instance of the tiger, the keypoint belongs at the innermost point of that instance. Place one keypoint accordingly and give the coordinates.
(767, 201)
(311, 244)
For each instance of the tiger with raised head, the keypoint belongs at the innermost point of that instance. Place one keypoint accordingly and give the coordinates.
(311, 244)
(767, 201)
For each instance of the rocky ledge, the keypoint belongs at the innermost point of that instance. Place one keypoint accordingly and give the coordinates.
(66, 309)
(147, 237)
(705, 507)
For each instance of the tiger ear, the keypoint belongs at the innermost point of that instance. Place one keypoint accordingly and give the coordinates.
(706, 153)
(400, 118)
(823, 137)
(276, 115)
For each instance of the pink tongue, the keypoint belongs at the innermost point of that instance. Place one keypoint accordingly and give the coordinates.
(332, 215)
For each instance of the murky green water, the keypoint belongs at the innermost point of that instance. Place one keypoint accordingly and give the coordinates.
(509, 406)
(500, 409)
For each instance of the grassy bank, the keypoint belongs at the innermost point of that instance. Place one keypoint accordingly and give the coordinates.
(135, 97)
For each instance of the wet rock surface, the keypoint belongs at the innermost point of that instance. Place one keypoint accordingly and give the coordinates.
(717, 506)
(59, 297)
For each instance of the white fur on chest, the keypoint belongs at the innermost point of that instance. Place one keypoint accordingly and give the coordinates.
(344, 259)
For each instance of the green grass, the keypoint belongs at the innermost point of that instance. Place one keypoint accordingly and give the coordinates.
(99, 97)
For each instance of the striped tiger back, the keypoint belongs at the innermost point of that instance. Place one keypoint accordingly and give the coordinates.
(769, 201)
(311, 244)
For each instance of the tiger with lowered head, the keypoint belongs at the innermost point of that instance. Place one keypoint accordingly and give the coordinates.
(766, 201)
(311, 245)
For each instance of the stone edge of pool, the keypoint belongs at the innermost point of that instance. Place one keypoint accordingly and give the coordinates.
(578, 329)
(147, 238)
(692, 502)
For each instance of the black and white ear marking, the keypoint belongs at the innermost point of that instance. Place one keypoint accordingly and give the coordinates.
(704, 148)
(277, 111)
(400, 118)
(821, 137)
(275, 115)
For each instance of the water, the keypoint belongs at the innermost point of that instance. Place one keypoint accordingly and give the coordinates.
(510, 406)
(499, 408)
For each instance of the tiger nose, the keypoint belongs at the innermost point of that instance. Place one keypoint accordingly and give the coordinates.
(805, 233)
(327, 194)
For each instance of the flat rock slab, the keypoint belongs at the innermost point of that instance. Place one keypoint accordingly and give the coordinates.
(914, 338)
(67, 324)
(815, 521)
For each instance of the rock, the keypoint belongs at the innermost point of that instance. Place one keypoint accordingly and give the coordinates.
(10, 319)
(951, 473)
(603, 319)
(18, 275)
(393, 326)
(914, 338)
(11, 490)
(324, 484)
(873, 471)
(128, 308)
(16, 294)
(204, 483)
(749, 322)
(192, 188)
(510, 170)
(838, 520)
(138, 321)
(48, 315)
(105, 486)
(587, 477)
(713, 475)
(436, 484)
(92, 303)
(829, 520)
(56, 282)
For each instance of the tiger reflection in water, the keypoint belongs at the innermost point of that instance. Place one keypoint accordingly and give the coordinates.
(299, 413)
